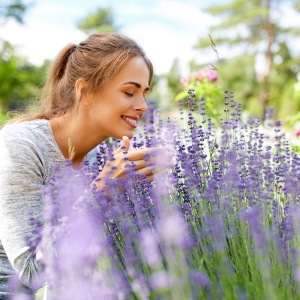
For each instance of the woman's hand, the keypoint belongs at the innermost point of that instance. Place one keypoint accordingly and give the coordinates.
(143, 161)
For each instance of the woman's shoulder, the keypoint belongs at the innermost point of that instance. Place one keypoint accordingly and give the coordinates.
(25, 130)
(25, 136)
(30, 139)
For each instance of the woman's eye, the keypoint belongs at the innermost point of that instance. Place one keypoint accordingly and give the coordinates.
(129, 94)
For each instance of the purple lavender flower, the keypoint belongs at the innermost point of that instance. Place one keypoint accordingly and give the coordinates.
(149, 247)
(172, 228)
(222, 211)
(160, 281)
(199, 278)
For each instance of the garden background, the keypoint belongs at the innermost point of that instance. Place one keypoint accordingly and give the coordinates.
(254, 46)
(223, 222)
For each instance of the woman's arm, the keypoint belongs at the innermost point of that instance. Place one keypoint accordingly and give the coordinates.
(21, 182)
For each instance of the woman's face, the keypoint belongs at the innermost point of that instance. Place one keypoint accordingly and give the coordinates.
(117, 109)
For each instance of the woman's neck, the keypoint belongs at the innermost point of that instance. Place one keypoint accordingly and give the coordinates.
(71, 137)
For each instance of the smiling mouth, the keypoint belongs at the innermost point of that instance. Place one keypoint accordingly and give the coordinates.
(131, 121)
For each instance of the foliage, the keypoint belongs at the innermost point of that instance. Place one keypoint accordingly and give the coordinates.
(102, 20)
(257, 34)
(173, 79)
(221, 223)
(12, 9)
(198, 84)
(3, 117)
(282, 80)
(19, 80)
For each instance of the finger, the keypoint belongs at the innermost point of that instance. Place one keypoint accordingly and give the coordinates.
(138, 154)
(150, 178)
(139, 164)
(125, 145)
(147, 171)
(143, 167)
(126, 142)
(149, 154)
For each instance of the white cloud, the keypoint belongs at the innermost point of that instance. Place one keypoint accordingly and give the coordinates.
(187, 13)
(171, 32)
(165, 29)
(38, 40)
(163, 44)
(286, 16)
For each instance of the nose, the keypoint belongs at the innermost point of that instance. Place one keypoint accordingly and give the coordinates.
(140, 104)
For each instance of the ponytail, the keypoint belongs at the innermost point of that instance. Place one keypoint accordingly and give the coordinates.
(57, 93)
(60, 63)
(49, 106)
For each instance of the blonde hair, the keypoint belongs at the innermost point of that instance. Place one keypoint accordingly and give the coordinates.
(96, 60)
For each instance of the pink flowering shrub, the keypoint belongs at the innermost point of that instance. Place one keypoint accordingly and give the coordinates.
(203, 83)
(202, 75)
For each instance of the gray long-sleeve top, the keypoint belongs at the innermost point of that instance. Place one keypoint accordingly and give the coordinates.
(28, 154)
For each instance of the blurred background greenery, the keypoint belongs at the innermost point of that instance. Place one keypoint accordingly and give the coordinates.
(264, 72)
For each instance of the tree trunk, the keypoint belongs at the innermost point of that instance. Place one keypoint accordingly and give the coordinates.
(264, 91)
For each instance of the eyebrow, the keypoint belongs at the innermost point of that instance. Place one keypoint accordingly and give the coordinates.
(136, 84)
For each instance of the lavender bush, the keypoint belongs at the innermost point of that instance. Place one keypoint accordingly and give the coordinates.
(203, 83)
(221, 223)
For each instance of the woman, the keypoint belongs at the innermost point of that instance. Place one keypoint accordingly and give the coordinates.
(95, 90)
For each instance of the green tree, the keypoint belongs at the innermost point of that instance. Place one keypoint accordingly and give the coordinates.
(102, 20)
(19, 80)
(282, 81)
(14, 9)
(257, 33)
(9, 9)
(173, 79)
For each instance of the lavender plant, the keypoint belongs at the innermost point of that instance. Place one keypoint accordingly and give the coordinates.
(221, 223)
(203, 83)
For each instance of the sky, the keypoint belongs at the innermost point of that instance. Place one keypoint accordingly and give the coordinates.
(166, 29)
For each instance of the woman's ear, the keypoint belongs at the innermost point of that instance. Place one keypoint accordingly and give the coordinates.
(81, 87)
